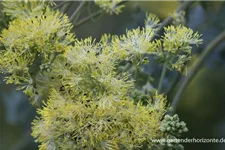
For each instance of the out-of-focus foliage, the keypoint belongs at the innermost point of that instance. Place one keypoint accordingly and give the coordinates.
(202, 103)
(110, 6)
(24, 8)
(213, 6)
(161, 8)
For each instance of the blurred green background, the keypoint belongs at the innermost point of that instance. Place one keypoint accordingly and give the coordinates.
(202, 105)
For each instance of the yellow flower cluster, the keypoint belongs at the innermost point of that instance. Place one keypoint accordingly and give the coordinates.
(30, 42)
(87, 104)
(110, 6)
(176, 45)
(90, 122)
(24, 8)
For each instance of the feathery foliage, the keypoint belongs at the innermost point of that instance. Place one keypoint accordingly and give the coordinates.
(85, 103)
(110, 6)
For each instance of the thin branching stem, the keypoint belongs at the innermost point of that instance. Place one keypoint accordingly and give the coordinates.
(195, 68)
(66, 7)
(84, 20)
(169, 19)
(76, 12)
(95, 14)
(163, 74)
(61, 4)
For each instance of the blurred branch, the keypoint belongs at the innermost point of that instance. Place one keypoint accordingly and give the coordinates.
(82, 21)
(165, 22)
(162, 78)
(61, 4)
(168, 20)
(66, 6)
(121, 3)
(95, 14)
(194, 69)
(73, 16)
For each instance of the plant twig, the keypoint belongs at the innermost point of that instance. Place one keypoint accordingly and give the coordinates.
(194, 69)
(66, 7)
(162, 77)
(61, 4)
(73, 16)
(169, 19)
(95, 14)
(121, 3)
(82, 21)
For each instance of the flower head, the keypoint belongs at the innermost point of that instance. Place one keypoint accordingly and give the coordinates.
(24, 8)
(110, 6)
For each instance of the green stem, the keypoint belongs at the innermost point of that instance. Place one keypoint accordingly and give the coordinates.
(168, 20)
(127, 67)
(66, 7)
(95, 14)
(61, 4)
(195, 68)
(74, 15)
(82, 21)
(162, 77)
